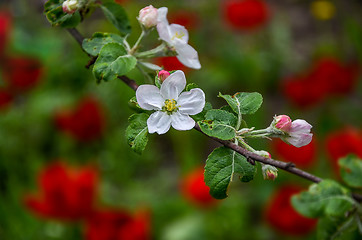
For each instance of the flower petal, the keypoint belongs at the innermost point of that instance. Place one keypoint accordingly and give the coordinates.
(162, 14)
(187, 55)
(179, 33)
(173, 85)
(191, 102)
(149, 97)
(159, 122)
(181, 122)
(300, 139)
(163, 28)
(300, 126)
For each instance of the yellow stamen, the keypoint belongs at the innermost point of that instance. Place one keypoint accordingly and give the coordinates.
(179, 35)
(170, 106)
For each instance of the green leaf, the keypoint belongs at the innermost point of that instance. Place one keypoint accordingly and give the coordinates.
(219, 124)
(334, 228)
(325, 198)
(94, 44)
(113, 61)
(351, 171)
(243, 102)
(54, 12)
(117, 16)
(201, 116)
(220, 167)
(191, 86)
(137, 131)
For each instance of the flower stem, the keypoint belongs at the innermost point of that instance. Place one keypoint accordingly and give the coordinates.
(135, 46)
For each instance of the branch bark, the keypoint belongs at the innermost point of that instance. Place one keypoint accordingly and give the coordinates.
(249, 155)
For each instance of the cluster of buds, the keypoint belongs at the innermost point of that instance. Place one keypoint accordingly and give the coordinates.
(148, 17)
(296, 133)
(70, 6)
(269, 172)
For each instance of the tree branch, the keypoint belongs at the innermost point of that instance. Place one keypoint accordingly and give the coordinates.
(249, 155)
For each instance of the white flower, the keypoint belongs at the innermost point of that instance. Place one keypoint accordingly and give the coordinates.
(148, 16)
(172, 106)
(299, 134)
(177, 36)
(70, 6)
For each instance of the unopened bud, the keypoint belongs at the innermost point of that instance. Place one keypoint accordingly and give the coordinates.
(148, 16)
(282, 122)
(269, 172)
(70, 6)
(162, 75)
(263, 154)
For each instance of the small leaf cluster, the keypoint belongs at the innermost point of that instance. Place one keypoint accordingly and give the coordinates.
(332, 203)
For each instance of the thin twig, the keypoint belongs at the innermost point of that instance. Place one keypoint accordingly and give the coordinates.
(249, 155)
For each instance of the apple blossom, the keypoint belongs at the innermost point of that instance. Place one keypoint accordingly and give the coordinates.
(162, 75)
(148, 16)
(299, 134)
(282, 122)
(172, 106)
(177, 37)
(70, 6)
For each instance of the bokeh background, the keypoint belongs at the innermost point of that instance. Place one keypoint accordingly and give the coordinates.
(66, 171)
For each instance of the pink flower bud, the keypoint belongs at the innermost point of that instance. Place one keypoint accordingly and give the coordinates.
(299, 133)
(148, 16)
(269, 172)
(70, 6)
(283, 122)
(162, 75)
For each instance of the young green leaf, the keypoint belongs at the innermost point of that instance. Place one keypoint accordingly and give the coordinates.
(351, 171)
(94, 44)
(220, 167)
(113, 61)
(191, 86)
(57, 17)
(117, 16)
(137, 131)
(334, 228)
(200, 116)
(325, 198)
(219, 124)
(243, 102)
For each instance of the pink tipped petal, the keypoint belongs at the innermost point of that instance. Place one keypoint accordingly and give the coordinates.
(173, 85)
(179, 33)
(299, 140)
(300, 125)
(159, 122)
(191, 102)
(149, 97)
(182, 122)
(187, 55)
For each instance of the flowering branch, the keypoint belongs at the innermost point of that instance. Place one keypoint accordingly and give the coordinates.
(250, 156)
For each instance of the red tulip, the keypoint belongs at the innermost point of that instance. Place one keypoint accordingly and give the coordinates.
(5, 27)
(117, 225)
(246, 14)
(303, 157)
(281, 215)
(22, 73)
(170, 64)
(85, 123)
(341, 143)
(6, 98)
(65, 193)
(195, 190)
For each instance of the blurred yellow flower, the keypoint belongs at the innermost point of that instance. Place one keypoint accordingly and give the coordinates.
(323, 9)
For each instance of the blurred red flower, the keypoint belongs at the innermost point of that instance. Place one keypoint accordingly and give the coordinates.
(6, 98)
(195, 190)
(85, 123)
(186, 18)
(328, 76)
(281, 215)
(341, 143)
(5, 27)
(170, 64)
(303, 157)
(65, 194)
(118, 225)
(246, 14)
(22, 73)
